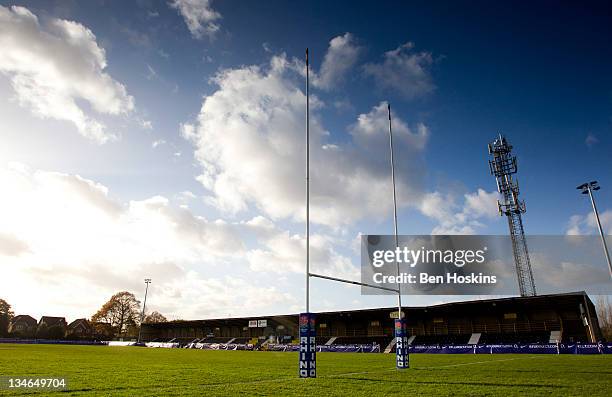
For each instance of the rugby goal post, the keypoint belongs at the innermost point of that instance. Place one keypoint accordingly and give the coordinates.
(307, 320)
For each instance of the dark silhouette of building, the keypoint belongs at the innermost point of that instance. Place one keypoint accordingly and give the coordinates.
(79, 329)
(23, 326)
(567, 317)
(51, 327)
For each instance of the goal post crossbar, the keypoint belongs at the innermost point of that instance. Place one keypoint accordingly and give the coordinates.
(351, 282)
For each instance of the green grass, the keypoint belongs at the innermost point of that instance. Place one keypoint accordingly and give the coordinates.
(129, 371)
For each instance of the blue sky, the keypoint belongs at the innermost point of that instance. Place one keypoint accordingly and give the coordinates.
(190, 194)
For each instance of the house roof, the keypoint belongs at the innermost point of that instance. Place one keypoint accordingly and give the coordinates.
(50, 320)
(79, 321)
(24, 318)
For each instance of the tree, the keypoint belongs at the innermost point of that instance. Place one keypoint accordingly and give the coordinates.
(604, 314)
(6, 315)
(155, 317)
(42, 332)
(121, 312)
(102, 330)
(55, 332)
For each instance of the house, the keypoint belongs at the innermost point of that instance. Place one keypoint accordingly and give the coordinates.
(79, 328)
(51, 327)
(23, 325)
(49, 321)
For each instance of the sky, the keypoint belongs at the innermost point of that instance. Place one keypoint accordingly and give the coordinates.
(166, 140)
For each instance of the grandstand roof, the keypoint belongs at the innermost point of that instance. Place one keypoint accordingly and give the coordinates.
(542, 301)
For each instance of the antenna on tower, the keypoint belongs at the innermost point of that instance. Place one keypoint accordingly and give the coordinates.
(503, 166)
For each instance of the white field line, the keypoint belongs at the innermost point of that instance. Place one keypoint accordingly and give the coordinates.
(479, 362)
(434, 367)
(365, 372)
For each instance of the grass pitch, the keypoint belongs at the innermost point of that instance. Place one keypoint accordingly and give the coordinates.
(130, 371)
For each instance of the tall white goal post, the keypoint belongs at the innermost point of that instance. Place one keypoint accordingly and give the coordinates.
(307, 320)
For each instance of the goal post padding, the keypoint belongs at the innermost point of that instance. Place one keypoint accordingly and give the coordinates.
(401, 344)
(308, 346)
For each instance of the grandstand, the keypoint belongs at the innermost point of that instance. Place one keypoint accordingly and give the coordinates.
(568, 318)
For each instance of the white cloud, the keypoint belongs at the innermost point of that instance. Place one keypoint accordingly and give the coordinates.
(373, 126)
(404, 71)
(573, 225)
(482, 204)
(157, 143)
(195, 296)
(552, 274)
(65, 232)
(282, 252)
(249, 140)
(186, 195)
(587, 224)
(53, 68)
(340, 57)
(75, 219)
(11, 246)
(64, 235)
(454, 218)
(199, 16)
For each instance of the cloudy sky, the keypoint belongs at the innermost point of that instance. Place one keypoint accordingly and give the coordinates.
(165, 139)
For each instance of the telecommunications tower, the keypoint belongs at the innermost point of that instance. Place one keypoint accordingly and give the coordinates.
(502, 166)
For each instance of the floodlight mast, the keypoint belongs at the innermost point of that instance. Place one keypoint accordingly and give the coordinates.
(144, 305)
(502, 166)
(587, 188)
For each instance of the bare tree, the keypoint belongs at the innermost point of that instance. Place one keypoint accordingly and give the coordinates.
(155, 317)
(121, 312)
(6, 315)
(604, 313)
